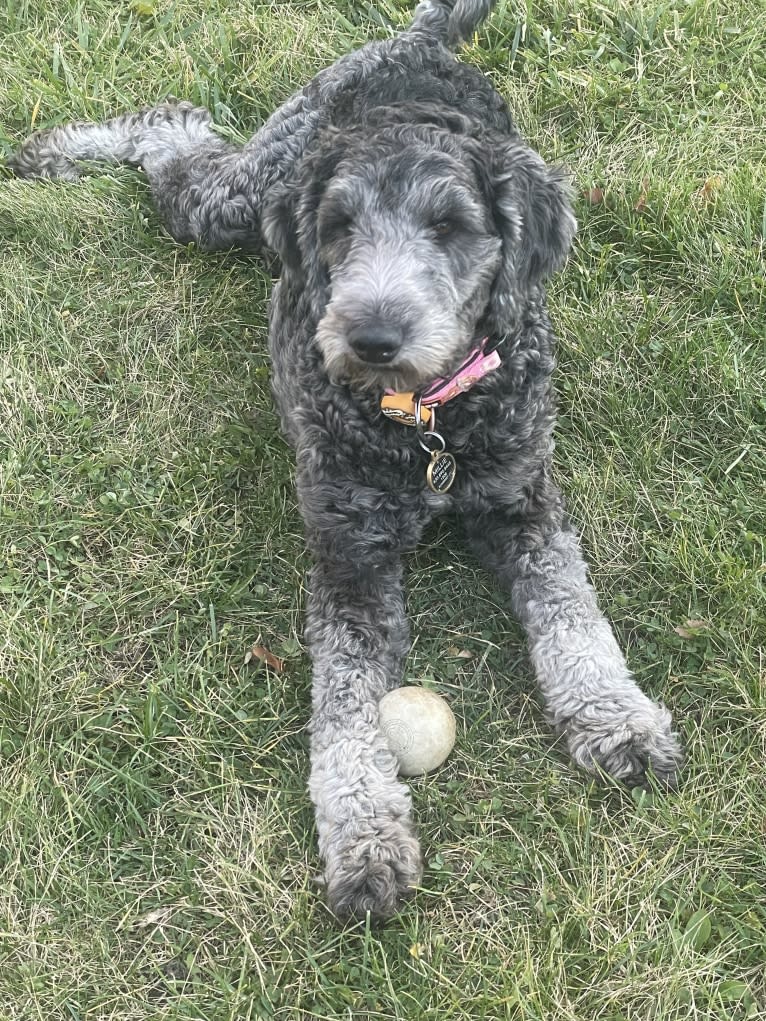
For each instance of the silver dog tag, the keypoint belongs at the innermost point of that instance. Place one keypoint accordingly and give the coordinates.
(441, 471)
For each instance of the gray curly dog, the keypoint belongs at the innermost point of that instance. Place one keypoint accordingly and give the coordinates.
(415, 231)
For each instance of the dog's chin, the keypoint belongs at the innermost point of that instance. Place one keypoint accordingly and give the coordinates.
(400, 375)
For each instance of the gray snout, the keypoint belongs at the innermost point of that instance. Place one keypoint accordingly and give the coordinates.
(375, 342)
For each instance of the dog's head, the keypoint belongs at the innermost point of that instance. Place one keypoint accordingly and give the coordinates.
(413, 240)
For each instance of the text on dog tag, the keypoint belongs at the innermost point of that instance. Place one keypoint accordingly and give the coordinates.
(441, 471)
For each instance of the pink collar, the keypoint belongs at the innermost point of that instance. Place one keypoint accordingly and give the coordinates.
(403, 407)
(475, 367)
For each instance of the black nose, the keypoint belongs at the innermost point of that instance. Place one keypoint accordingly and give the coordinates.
(375, 342)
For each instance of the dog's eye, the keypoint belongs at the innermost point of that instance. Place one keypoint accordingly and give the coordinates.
(443, 228)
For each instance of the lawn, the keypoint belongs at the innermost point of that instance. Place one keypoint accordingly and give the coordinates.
(157, 852)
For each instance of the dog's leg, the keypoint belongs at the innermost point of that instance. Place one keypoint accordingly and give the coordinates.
(205, 189)
(358, 636)
(590, 695)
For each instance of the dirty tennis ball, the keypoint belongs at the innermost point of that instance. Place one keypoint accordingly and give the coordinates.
(419, 728)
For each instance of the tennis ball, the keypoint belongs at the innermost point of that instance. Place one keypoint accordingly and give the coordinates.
(419, 728)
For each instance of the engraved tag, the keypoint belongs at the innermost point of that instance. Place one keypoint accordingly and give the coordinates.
(441, 472)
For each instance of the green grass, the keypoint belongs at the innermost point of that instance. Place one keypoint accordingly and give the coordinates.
(157, 853)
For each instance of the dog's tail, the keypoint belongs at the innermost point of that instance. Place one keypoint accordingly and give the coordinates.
(451, 21)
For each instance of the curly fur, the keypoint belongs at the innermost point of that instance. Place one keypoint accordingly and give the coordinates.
(406, 210)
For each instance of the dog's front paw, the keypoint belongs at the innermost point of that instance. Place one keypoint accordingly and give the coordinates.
(629, 744)
(373, 870)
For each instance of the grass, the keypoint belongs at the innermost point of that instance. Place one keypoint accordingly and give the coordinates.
(157, 855)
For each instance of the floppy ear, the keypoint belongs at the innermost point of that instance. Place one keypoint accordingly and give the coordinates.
(289, 218)
(533, 212)
(290, 229)
(279, 224)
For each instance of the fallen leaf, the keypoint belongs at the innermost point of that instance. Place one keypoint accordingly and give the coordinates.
(691, 629)
(640, 206)
(594, 196)
(417, 950)
(709, 190)
(262, 654)
(453, 650)
(159, 916)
